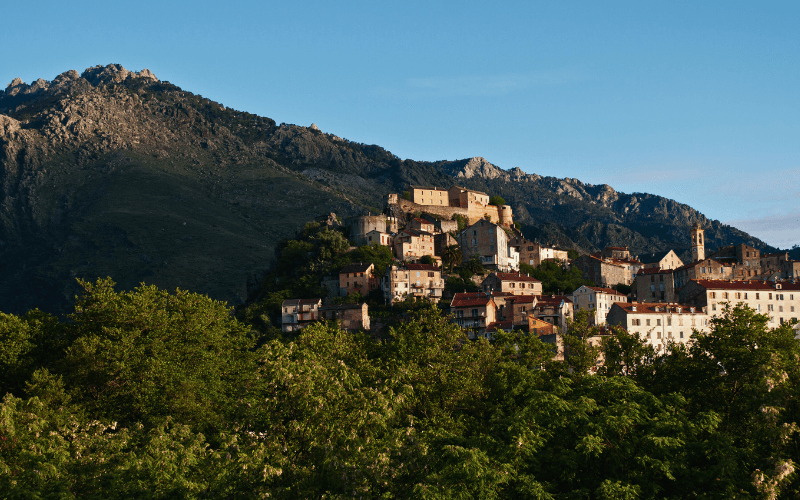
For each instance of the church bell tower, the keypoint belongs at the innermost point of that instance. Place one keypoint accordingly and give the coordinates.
(698, 245)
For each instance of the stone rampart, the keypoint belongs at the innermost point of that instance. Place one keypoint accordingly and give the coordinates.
(475, 212)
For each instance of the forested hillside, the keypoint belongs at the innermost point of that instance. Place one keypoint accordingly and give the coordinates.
(115, 173)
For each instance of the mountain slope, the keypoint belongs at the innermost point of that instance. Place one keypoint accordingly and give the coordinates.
(112, 172)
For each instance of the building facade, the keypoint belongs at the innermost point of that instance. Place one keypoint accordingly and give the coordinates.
(596, 299)
(490, 243)
(659, 323)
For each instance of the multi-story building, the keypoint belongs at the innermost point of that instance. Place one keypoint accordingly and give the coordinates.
(296, 314)
(534, 254)
(654, 285)
(473, 311)
(351, 317)
(357, 277)
(421, 281)
(422, 225)
(659, 323)
(515, 283)
(778, 300)
(554, 309)
(359, 227)
(602, 272)
(596, 299)
(702, 269)
(379, 238)
(490, 243)
(412, 244)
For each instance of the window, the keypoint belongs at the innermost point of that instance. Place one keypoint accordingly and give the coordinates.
(652, 278)
(647, 321)
(713, 307)
(757, 294)
(725, 295)
(769, 307)
(474, 312)
(669, 320)
(660, 277)
(780, 308)
(713, 295)
(681, 334)
(658, 322)
(658, 335)
(770, 297)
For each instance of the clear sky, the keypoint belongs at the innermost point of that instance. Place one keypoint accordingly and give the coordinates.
(695, 101)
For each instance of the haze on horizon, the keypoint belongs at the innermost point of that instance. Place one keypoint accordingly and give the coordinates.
(697, 103)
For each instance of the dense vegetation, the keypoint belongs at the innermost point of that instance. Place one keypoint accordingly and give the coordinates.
(161, 395)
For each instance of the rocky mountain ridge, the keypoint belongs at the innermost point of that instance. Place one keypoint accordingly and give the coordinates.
(114, 172)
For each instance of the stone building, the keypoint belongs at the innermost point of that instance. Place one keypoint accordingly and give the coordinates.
(490, 243)
(359, 227)
(351, 317)
(514, 283)
(596, 299)
(659, 323)
(534, 254)
(379, 238)
(412, 244)
(473, 205)
(296, 314)
(654, 285)
(421, 281)
(661, 260)
(703, 269)
(357, 277)
(602, 272)
(778, 300)
(422, 225)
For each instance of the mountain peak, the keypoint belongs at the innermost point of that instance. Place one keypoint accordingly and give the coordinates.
(96, 75)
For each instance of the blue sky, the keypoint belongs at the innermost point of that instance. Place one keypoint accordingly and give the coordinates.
(695, 101)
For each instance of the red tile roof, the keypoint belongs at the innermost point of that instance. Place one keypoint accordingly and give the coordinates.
(654, 270)
(470, 302)
(746, 285)
(650, 307)
(516, 277)
(421, 267)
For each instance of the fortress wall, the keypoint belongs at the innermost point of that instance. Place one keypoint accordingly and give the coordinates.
(475, 212)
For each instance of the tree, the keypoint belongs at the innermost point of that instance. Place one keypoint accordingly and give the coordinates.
(497, 200)
(143, 355)
(452, 256)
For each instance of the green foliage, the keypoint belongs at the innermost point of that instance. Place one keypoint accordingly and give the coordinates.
(461, 220)
(144, 355)
(555, 279)
(457, 284)
(427, 259)
(497, 200)
(406, 195)
(164, 395)
(452, 256)
(573, 254)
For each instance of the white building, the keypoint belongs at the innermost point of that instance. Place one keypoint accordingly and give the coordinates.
(588, 298)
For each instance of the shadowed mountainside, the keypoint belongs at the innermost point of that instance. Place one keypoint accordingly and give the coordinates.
(112, 172)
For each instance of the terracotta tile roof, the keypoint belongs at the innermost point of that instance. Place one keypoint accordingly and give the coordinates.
(747, 285)
(515, 277)
(522, 299)
(549, 300)
(421, 267)
(650, 307)
(481, 301)
(357, 267)
(654, 270)
(423, 221)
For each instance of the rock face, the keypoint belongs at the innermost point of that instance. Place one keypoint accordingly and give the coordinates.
(114, 173)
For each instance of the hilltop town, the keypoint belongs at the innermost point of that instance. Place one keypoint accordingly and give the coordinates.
(441, 240)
